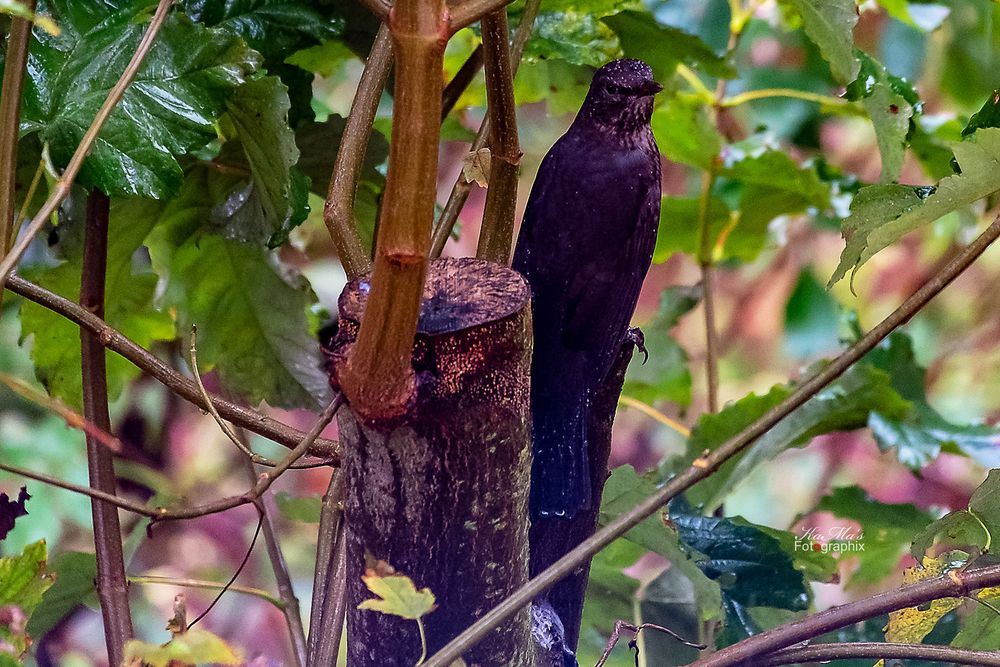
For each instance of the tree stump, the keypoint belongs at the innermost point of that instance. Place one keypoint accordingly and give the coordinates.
(441, 493)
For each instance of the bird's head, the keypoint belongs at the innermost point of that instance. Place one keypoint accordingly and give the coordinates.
(621, 95)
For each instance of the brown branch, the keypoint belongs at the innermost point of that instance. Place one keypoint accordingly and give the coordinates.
(952, 584)
(824, 653)
(62, 187)
(330, 579)
(264, 481)
(706, 465)
(338, 211)
(112, 588)
(377, 378)
(460, 191)
(10, 120)
(463, 77)
(114, 340)
(635, 630)
(470, 11)
(497, 236)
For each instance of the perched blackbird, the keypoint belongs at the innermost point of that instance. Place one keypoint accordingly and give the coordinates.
(584, 247)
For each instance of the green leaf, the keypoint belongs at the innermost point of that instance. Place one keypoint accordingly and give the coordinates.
(812, 318)
(189, 648)
(623, 491)
(921, 433)
(75, 573)
(750, 565)
(830, 24)
(887, 213)
(843, 406)
(817, 566)
(980, 630)
(987, 116)
(130, 289)
(685, 133)
(252, 324)
(678, 231)
(25, 578)
(665, 47)
(610, 596)
(577, 38)
(665, 376)
(299, 508)
(891, 103)
(19, 9)
(272, 204)
(397, 596)
(887, 530)
(169, 110)
(978, 525)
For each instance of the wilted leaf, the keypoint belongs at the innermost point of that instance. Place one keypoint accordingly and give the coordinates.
(912, 624)
(194, 647)
(10, 510)
(397, 596)
(476, 167)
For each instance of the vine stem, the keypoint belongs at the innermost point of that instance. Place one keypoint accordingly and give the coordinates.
(112, 587)
(706, 465)
(653, 413)
(157, 580)
(770, 93)
(63, 186)
(10, 120)
(114, 340)
(879, 651)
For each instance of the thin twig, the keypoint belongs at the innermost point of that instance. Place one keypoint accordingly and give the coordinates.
(496, 237)
(10, 120)
(63, 186)
(463, 77)
(338, 211)
(823, 653)
(706, 263)
(232, 579)
(792, 93)
(635, 630)
(158, 580)
(653, 413)
(705, 466)
(114, 340)
(460, 191)
(112, 588)
(290, 606)
(470, 11)
(324, 632)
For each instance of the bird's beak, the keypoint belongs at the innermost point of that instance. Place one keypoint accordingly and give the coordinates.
(650, 88)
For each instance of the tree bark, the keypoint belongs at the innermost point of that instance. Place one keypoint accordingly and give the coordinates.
(447, 482)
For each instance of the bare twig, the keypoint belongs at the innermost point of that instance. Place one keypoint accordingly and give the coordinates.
(232, 579)
(470, 11)
(952, 584)
(707, 265)
(497, 235)
(823, 653)
(635, 630)
(10, 120)
(62, 187)
(114, 340)
(338, 211)
(706, 465)
(112, 588)
(290, 606)
(157, 580)
(324, 631)
(463, 77)
(460, 191)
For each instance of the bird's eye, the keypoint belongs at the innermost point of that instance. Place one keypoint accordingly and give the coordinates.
(612, 87)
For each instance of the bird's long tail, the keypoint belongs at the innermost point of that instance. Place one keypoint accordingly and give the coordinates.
(560, 473)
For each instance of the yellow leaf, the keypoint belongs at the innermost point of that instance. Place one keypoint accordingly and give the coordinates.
(912, 624)
(398, 594)
(195, 647)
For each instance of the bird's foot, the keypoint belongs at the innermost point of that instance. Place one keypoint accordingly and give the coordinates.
(636, 337)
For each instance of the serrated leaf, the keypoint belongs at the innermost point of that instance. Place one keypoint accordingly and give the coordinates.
(75, 573)
(912, 624)
(685, 133)
(665, 376)
(843, 406)
(625, 489)
(920, 434)
(274, 203)
(887, 530)
(664, 47)
(129, 293)
(889, 213)
(397, 596)
(976, 526)
(194, 647)
(169, 110)
(830, 25)
(251, 322)
(299, 508)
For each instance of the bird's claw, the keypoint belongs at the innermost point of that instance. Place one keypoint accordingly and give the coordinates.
(636, 337)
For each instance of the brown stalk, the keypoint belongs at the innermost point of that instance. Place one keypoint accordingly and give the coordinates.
(823, 653)
(10, 120)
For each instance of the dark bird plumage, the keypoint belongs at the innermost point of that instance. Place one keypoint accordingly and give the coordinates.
(585, 245)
